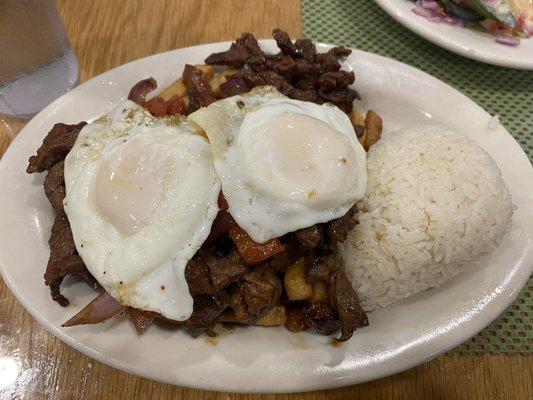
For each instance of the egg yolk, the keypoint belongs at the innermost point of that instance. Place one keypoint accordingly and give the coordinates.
(130, 182)
(297, 158)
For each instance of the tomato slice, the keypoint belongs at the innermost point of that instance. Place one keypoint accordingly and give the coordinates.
(251, 252)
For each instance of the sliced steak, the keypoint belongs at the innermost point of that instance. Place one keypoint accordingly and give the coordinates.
(64, 261)
(244, 48)
(342, 97)
(226, 270)
(342, 297)
(198, 88)
(320, 269)
(333, 80)
(198, 276)
(295, 319)
(258, 292)
(284, 42)
(298, 71)
(337, 229)
(233, 86)
(208, 274)
(321, 317)
(309, 238)
(204, 316)
(284, 259)
(55, 147)
(346, 304)
(54, 187)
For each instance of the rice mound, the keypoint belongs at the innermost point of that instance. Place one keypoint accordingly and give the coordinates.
(435, 201)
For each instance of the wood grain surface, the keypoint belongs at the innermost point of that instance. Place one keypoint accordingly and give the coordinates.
(108, 33)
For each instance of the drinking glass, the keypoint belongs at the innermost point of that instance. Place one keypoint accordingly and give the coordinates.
(37, 64)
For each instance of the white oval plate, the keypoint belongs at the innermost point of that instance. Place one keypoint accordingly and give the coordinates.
(467, 42)
(272, 359)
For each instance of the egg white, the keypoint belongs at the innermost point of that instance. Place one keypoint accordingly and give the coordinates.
(136, 237)
(309, 171)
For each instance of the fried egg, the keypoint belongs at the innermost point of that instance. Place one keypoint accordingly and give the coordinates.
(141, 198)
(284, 164)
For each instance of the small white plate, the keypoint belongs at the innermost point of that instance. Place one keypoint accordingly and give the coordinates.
(467, 42)
(272, 359)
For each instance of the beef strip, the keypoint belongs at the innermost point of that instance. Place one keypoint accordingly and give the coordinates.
(204, 316)
(342, 296)
(346, 304)
(54, 187)
(319, 270)
(239, 52)
(342, 97)
(198, 89)
(306, 48)
(309, 238)
(140, 90)
(281, 261)
(55, 147)
(337, 229)
(332, 80)
(257, 292)
(297, 71)
(197, 276)
(226, 270)
(64, 260)
(233, 86)
(295, 318)
(329, 61)
(284, 42)
(321, 317)
(235, 57)
(208, 274)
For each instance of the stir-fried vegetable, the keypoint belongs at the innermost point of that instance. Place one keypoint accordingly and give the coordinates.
(464, 13)
(498, 10)
(100, 309)
(254, 253)
(507, 19)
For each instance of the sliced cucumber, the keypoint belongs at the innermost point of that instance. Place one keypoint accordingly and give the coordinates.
(463, 13)
(495, 13)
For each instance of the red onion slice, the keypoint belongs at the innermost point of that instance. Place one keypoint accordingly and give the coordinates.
(508, 40)
(100, 309)
(429, 4)
(429, 14)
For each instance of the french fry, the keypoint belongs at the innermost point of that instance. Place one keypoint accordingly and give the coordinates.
(219, 78)
(357, 119)
(373, 128)
(208, 71)
(176, 89)
(320, 292)
(295, 285)
(275, 317)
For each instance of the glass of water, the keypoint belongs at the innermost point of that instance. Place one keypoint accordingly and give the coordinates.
(37, 64)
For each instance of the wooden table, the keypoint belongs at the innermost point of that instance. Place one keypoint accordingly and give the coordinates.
(106, 34)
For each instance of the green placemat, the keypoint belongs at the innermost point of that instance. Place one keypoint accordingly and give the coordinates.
(505, 92)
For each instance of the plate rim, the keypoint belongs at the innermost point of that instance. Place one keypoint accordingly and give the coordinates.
(433, 37)
(454, 337)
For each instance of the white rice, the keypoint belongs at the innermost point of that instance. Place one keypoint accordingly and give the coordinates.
(435, 201)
